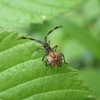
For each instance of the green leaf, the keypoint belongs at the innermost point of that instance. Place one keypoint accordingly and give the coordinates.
(91, 77)
(24, 76)
(22, 12)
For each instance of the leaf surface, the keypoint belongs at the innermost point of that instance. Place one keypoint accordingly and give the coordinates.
(23, 75)
(20, 13)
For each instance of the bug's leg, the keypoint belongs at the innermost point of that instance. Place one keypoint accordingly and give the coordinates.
(51, 31)
(64, 58)
(44, 56)
(55, 47)
(31, 39)
(40, 48)
(46, 62)
(49, 42)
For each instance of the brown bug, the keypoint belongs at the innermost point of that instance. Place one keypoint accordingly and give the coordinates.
(53, 57)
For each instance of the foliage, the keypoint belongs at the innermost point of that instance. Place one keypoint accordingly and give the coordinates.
(86, 75)
(24, 76)
(22, 73)
(22, 12)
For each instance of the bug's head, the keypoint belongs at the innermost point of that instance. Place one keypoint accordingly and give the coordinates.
(45, 44)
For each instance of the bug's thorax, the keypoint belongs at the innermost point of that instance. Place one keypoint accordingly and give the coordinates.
(54, 58)
(47, 48)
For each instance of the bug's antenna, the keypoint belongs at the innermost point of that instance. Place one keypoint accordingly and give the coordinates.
(31, 39)
(51, 31)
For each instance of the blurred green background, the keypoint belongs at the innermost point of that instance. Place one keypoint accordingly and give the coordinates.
(78, 40)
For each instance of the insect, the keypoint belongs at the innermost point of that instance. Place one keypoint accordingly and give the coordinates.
(53, 57)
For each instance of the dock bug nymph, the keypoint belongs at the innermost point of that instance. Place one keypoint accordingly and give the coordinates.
(53, 57)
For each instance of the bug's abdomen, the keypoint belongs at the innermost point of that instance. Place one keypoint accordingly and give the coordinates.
(54, 58)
